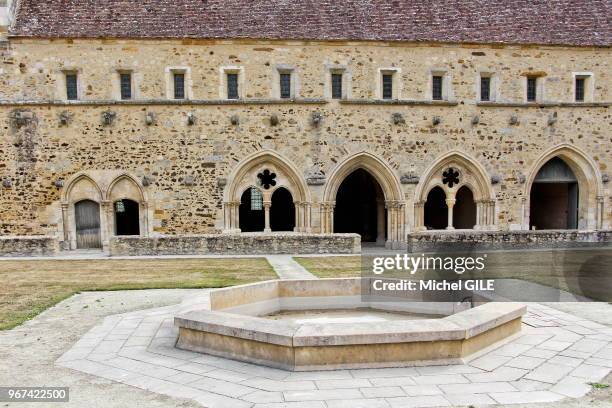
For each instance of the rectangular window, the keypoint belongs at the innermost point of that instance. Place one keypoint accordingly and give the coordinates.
(179, 85)
(436, 87)
(72, 90)
(387, 86)
(532, 90)
(580, 89)
(285, 85)
(336, 82)
(232, 86)
(485, 88)
(126, 85)
(256, 199)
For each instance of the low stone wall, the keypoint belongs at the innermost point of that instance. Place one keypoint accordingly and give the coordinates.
(435, 241)
(29, 246)
(237, 244)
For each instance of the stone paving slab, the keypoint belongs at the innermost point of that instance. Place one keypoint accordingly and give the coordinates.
(541, 365)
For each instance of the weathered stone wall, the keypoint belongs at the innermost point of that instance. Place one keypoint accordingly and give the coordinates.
(185, 165)
(476, 240)
(238, 244)
(29, 246)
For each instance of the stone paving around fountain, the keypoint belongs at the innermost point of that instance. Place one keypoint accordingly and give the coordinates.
(555, 357)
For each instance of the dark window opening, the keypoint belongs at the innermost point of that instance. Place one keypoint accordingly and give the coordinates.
(387, 86)
(232, 86)
(532, 89)
(251, 216)
(126, 86)
(336, 86)
(436, 211)
(72, 92)
(285, 86)
(485, 88)
(580, 89)
(360, 208)
(127, 217)
(436, 90)
(282, 211)
(179, 86)
(464, 211)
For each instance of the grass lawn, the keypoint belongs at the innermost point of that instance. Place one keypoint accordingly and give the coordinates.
(29, 287)
(586, 272)
(332, 266)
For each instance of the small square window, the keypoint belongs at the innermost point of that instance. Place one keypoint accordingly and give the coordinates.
(232, 86)
(285, 85)
(72, 90)
(126, 85)
(336, 83)
(387, 86)
(179, 85)
(580, 89)
(485, 88)
(436, 87)
(532, 89)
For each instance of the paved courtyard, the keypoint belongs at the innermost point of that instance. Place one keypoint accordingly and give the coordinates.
(555, 357)
(129, 358)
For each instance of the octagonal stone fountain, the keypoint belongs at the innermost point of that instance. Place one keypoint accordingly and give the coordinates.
(328, 324)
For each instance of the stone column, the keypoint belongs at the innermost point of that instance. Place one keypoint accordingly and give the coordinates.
(307, 220)
(479, 221)
(380, 221)
(327, 217)
(525, 209)
(65, 225)
(600, 213)
(419, 216)
(267, 205)
(450, 203)
(107, 223)
(491, 219)
(144, 218)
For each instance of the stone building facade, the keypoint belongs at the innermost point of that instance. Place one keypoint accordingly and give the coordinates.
(364, 162)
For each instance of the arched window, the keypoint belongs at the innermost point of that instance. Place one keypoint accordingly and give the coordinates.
(282, 211)
(464, 211)
(251, 213)
(127, 217)
(436, 211)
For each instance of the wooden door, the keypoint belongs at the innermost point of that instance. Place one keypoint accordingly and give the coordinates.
(87, 217)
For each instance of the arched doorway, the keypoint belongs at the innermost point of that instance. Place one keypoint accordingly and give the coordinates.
(464, 210)
(251, 213)
(282, 211)
(360, 207)
(127, 217)
(436, 211)
(554, 197)
(87, 220)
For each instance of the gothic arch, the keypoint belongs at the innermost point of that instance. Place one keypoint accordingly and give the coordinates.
(389, 184)
(469, 173)
(381, 172)
(287, 176)
(126, 187)
(80, 188)
(590, 201)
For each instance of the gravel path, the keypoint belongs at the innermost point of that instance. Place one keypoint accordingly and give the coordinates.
(28, 352)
